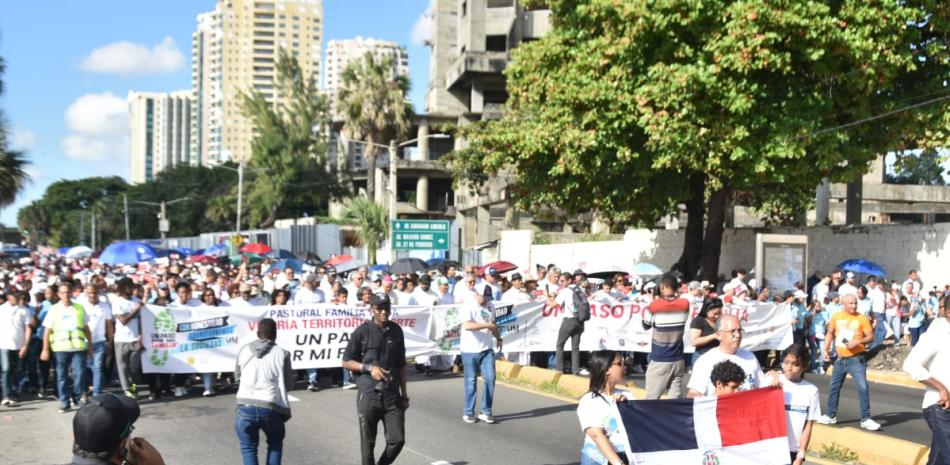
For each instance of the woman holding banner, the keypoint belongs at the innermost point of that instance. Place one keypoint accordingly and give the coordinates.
(702, 330)
(602, 435)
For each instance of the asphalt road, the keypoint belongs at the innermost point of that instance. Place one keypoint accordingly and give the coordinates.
(531, 429)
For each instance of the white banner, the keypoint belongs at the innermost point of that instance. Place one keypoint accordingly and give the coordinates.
(206, 339)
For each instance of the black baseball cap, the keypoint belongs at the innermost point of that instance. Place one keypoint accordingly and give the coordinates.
(579, 272)
(425, 279)
(516, 277)
(102, 424)
(380, 301)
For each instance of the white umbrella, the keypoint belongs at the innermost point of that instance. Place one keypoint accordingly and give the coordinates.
(80, 251)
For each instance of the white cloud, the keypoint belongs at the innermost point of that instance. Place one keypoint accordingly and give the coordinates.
(130, 58)
(35, 173)
(23, 139)
(422, 29)
(98, 125)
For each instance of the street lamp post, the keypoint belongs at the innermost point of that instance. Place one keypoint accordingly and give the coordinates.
(162, 215)
(240, 200)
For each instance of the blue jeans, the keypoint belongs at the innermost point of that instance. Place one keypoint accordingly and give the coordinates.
(915, 334)
(249, 423)
(207, 379)
(879, 331)
(938, 420)
(856, 367)
(64, 360)
(312, 376)
(474, 363)
(95, 365)
(10, 367)
(895, 324)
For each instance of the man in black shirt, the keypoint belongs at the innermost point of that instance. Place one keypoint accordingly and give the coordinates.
(376, 354)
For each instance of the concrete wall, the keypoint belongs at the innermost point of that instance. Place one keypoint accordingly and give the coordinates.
(897, 248)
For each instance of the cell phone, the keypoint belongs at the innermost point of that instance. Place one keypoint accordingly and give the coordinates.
(126, 453)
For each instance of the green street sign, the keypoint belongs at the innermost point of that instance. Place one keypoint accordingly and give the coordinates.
(420, 235)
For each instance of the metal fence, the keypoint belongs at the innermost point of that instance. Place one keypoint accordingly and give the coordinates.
(320, 239)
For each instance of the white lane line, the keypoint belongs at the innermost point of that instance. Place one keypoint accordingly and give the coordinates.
(431, 460)
(292, 398)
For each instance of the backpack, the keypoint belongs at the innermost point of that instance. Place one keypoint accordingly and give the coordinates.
(581, 305)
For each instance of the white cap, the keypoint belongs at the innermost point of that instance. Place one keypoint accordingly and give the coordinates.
(800, 295)
(850, 275)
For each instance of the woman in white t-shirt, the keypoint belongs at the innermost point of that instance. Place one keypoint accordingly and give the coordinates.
(603, 441)
(801, 401)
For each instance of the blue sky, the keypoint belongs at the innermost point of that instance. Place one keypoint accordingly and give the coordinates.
(64, 102)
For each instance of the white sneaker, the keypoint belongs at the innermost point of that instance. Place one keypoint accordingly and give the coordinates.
(5, 401)
(468, 419)
(584, 372)
(179, 391)
(486, 418)
(349, 386)
(870, 424)
(208, 393)
(826, 420)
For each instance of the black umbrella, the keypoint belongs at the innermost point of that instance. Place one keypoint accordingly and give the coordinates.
(408, 266)
(439, 263)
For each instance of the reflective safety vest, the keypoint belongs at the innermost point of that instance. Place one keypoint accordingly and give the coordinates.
(67, 328)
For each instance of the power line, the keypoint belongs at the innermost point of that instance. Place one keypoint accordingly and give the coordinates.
(877, 117)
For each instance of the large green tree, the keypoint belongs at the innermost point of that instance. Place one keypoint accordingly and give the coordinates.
(289, 150)
(374, 104)
(629, 108)
(373, 223)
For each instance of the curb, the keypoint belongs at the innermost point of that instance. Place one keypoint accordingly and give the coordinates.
(887, 450)
(895, 378)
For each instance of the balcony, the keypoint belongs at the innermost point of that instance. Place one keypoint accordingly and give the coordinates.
(472, 63)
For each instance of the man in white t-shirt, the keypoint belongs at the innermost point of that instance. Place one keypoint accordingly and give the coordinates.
(308, 293)
(516, 294)
(478, 356)
(126, 310)
(878, 303)
(102, 328)
(929, 364)
(848, 288)
(821, 289)
(353, 288)
(914, 280)
(730, 338)
(15, 335)
(424, 295)
(465, 291)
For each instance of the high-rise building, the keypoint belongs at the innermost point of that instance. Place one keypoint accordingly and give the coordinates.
(471, 43)
(340, 53)
(159, 128)
(235, 50)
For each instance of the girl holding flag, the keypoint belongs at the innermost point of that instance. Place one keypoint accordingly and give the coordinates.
(603, 443)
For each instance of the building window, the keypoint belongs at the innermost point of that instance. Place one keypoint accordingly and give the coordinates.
(496, 43)
(464, 9)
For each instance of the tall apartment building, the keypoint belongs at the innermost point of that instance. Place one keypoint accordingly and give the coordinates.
(234, 50)
(340, 53)
(470, 44)
(159, 133)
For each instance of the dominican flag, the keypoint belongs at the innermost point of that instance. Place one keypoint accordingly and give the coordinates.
(746, 428)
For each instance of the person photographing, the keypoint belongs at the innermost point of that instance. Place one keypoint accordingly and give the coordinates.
(376, 354)
(102, 434)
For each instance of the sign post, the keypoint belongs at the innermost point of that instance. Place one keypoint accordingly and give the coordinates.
(419, 235)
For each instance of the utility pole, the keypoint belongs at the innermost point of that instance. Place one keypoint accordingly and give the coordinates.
(92, 228)
(125, 210)
(237, 227)
(393, 182)
(82, 224)
(163, 222)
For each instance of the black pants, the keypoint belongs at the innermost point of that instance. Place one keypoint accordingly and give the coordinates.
(570, 328)
(371, 408)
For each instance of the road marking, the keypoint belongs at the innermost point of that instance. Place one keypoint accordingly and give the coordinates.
(431, 460)
(441, 462)
(292, 398)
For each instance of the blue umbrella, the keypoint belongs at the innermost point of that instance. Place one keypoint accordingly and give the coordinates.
(382, 267)
(217, 250)
(162, 253)
(186, 251)
(646, 269)
(857, 265)
(63, 250)
(127, 253)
(280, 254)
(297, 265)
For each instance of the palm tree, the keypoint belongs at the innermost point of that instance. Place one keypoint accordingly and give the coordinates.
(13, 163)
(373, 222)
(375, 108)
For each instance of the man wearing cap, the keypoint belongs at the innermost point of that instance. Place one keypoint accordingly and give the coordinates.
(329, 279)
(478, 356)
(445, 294)
(848, 287)
(516, 294)
(265, 376)
(376, 353)
(68, 337)
(492, 279)
(102, 434)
